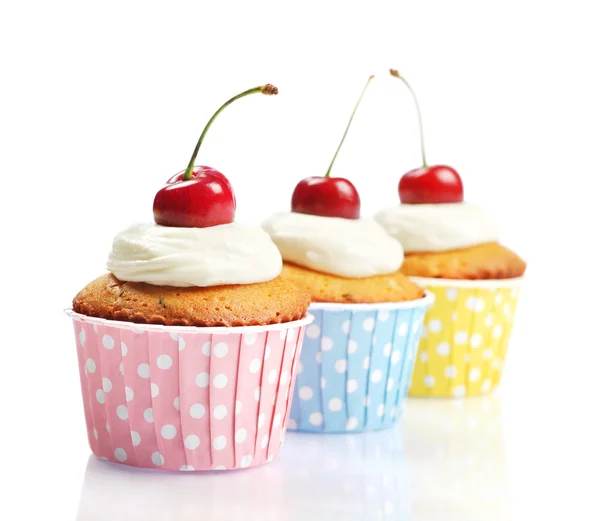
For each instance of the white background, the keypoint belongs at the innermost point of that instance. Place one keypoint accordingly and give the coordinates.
(101, 102)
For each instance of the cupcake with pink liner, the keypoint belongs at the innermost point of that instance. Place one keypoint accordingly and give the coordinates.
(188, 348)
(359, 354)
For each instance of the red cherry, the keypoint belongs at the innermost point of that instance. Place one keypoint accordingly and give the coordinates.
(326, 196)
(205, 200)
(329, 196)
(431, 185)
(200, 196)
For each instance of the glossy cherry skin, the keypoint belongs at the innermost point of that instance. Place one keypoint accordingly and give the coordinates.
(431, 185)
(326, 196)
(207, 199)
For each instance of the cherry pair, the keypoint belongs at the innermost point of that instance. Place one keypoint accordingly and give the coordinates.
(201, 196)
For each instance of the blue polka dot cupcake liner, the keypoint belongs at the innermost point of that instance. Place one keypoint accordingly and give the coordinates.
(356, 365)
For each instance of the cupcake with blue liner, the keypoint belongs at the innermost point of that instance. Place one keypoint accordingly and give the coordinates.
(358, 355)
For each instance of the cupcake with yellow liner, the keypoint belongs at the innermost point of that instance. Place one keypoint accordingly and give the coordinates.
(452, 250)
(358, 355)
(188, 348)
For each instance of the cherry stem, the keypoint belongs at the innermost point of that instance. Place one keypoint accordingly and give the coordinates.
(268, 89)
(396, 74)
(348, 126)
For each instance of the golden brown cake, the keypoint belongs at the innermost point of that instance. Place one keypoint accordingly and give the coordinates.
(323, 287)
(263, 303)
(484, 261)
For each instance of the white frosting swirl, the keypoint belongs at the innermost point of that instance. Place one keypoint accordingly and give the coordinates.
(350, 248)
(170, 256)
(438, 227)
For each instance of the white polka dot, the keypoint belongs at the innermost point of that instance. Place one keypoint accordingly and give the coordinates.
(168, 432)
(106, 385)
(220, 381)
(460, 337)
(429, 381)
(108, 342)
(123, 349)
(475, 304)
(284, 378)
(435, 325)
(197, 411)
(335, 405)
(240, 435)
(250, 338)
(387, 349)
(154, 390)
(261, 420)
(136, 439)
(265, 441)
(498, 299)
(507, 309)
(487, 353)
(257, 394)
(489, 320)
(255, 365)
(366, 362)
(376, 376)
(219, 412)
(90, 365)
(187, 468)
(346, 326)
(149, 415)
(341, 365)
(107, 427)
(206, 348)
(476, 340)
(122, 412)
(486, 385)
(238, 406)
(220, 442)
(381, 410)
(82, 337)
(181, 344)
(246, 461)
(202, 380)
(390, 384)
(454, 316)
(220, 350)
(424, 356)
(497, 331)
(164, 362)
(176, 403)
(351, 385)
(95, 433)
(300, 368)
(383, 315)
(351, 423)
(369, 324)
(122, 368)
(305, 393)
(402, 329)
(120, 455)
(326, 343)
(452, 293)
(459, 391)
(313, 331)
(272, 376)
(319, 357)
(450, 371)
(352, 346)
(395, 357)
(267, 352)
(144, 370)
(100, 396)
(277, 420)
(192, 442)
(220, 467)
(316, 418)
(292, 425)
(443, 349)
(158, 459)
(474, 374)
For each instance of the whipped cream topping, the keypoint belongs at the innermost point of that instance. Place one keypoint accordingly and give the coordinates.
(438, 227)
(169, 256)
(344, 247)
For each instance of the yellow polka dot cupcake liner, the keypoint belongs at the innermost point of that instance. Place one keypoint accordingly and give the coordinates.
(465, 337)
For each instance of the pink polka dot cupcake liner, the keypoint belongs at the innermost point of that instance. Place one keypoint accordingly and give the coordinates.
(186, 398)
(356, 365)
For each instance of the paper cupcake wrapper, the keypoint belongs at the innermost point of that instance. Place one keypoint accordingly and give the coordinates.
(186, 398)
(465, 337)
(355, 365)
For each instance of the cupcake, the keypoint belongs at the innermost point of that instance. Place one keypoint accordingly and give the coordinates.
(452, 249)
(358, 354)
(188, 347)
